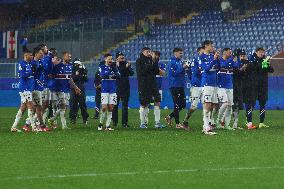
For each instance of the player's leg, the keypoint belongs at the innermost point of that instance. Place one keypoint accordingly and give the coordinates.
(195, 94)
(45, 104)
(215, 107)
(262, 102)
(157, 108)
(124, 120)
(174, 114)
(83, 107)
(30, 106)
(19, 114)
(104, 107)
(73, 107)
(115, 113)
(228, 113)
(250, 103)
(98, 104)
(207, 99)
(63, 104)
(111, 103)
(143, 111)
(223, 100)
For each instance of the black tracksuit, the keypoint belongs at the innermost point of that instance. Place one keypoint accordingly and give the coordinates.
(97, 83)
(123, 92)
(147, 70)
(79, 76)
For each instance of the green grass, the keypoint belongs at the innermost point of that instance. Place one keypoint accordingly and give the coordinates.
(132, 158)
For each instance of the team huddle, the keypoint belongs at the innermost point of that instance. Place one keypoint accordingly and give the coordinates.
(221, 81)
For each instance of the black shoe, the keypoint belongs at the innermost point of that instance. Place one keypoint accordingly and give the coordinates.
(125, 125)
(85, 122)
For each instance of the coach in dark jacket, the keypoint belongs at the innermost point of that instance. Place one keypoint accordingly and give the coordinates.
(79, 76)
(257, 85)
(123, 89)
(97, 84)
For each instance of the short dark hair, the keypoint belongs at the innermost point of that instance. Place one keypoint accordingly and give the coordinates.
(207, 42)
(41, 45)
(107, 55)
(177, 49)
(53, 51)
(65, 52)
(157, 53)
(27, 51)
(145, 49)
(36, 50)
(226, 49)
(259, 49)
(199, 49)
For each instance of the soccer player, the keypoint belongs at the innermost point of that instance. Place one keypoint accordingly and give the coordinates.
(209, 66)
(225, 87)
(162, 71)
(39, 76)
(196, 89)
(123, 89)
(177, 69)
(147, 70)
(108, 73)
(238, 84)
(62, 72)
(26, 86)
(257, 86)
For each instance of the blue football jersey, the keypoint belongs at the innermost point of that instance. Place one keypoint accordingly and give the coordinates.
(196, 75)
(48, 67)
(39, 75)
(108, 74)
(209, 68)
(26, 81)
(225, 74)
(159, 79)
(62, 73)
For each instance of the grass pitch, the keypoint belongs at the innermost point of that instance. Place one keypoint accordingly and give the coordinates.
(133, 158)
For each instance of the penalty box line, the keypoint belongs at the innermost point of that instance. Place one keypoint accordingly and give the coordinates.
(139, 173)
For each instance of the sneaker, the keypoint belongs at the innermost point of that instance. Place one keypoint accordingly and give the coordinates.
(143, 126)
(26, 128)
(100, 127)
(15, 130)
(36, 129)
(251, 126)
(85, 122)
(168, 120)
(209, 132)
(262, 125)
(185, 126)
(44, 128)
(125, 125)
(159, 126)
(109, 129)
(66, 128)
(179, 126)
(229, 128)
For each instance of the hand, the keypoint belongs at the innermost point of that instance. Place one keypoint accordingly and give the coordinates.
(77, 73)
(244, 67)
(217, 54)
(77, 91)
(128, 64)
(56, 60)
(185, 66)
(99, 86)
(235, 59)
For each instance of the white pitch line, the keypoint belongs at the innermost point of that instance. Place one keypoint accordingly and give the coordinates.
(138, 173)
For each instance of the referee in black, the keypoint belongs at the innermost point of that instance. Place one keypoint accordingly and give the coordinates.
(257, 86)
(123, 89)
(80, 77)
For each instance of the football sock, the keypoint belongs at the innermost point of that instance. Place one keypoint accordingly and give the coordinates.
(228, 116)
(157, 114)
(142, 115)
(109, 116)
(236, 116)
(146, 115)
(222, 111)
(249, 114)
(30, 116)
(62, 117)
(206, 119)
(261, 114)
(17, 119)
(102, 117)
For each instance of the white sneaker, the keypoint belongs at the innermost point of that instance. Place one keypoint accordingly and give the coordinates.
(15, 130)
(66, 128)
(100, 127)
(209, 133)
(109, 129)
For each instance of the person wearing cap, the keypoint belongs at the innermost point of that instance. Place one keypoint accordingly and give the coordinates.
(123, 88)
(148, 91)
(80, 77)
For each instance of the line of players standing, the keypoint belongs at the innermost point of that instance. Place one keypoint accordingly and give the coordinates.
(44, 78)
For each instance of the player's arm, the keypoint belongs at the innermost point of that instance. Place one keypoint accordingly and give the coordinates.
(74, 86)
(97, 80)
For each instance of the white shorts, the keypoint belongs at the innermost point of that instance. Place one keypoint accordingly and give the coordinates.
(26, 96)
(61, 97)
(209, 94)
(109, 98)
(195, 96)
(46, 95)
(225, 95)
(37, 98)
